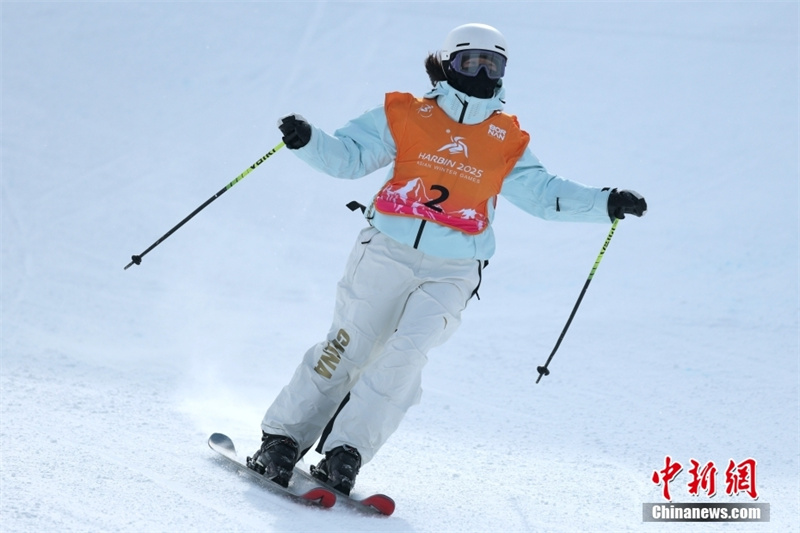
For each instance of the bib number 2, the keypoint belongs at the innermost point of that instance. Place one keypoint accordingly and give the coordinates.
(443, 195)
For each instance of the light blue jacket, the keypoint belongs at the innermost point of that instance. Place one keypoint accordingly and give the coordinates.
(365, 144)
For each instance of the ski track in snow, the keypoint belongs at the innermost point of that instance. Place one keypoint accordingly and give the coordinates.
(120, 118)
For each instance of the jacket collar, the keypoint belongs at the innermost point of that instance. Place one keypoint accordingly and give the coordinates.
(477, 109)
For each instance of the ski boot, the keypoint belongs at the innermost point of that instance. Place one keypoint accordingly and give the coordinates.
(275, 459)
(339, 468)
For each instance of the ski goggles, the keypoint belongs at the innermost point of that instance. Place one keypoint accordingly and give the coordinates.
(470, 62)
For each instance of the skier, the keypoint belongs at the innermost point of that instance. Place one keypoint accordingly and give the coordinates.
(413, 270)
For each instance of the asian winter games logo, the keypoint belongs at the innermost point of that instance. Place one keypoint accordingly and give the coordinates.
(455, 146)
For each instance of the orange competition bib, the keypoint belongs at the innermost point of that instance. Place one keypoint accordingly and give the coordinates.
(447, 172)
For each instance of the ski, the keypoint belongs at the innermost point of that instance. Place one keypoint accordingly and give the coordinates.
(317, 495)
(374, 504)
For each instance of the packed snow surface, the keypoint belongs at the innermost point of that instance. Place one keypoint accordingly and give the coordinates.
(118, 119)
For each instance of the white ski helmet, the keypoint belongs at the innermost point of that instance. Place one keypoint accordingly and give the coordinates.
(474, 37)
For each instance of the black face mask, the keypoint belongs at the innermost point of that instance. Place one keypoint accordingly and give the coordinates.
(480, 86)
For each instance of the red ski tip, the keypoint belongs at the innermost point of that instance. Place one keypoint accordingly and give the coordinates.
(325, 497)
(381, 503)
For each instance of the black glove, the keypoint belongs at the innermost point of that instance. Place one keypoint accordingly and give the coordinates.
(296, 131)
(621, 203)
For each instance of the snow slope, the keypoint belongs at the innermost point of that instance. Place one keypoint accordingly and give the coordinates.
(118, 119)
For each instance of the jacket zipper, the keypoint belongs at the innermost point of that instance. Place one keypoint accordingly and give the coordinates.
(422, 223)
(463, 112)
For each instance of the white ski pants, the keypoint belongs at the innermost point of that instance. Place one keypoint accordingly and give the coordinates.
(393, 304)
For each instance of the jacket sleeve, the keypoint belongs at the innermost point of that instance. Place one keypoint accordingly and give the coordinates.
(360, 147)
(533, 189)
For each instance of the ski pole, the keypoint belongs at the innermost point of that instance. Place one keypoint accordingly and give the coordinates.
(543, 371)
(137, 259)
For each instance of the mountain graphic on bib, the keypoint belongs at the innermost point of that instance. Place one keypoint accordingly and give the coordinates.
(411, 199)
(412, 194)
